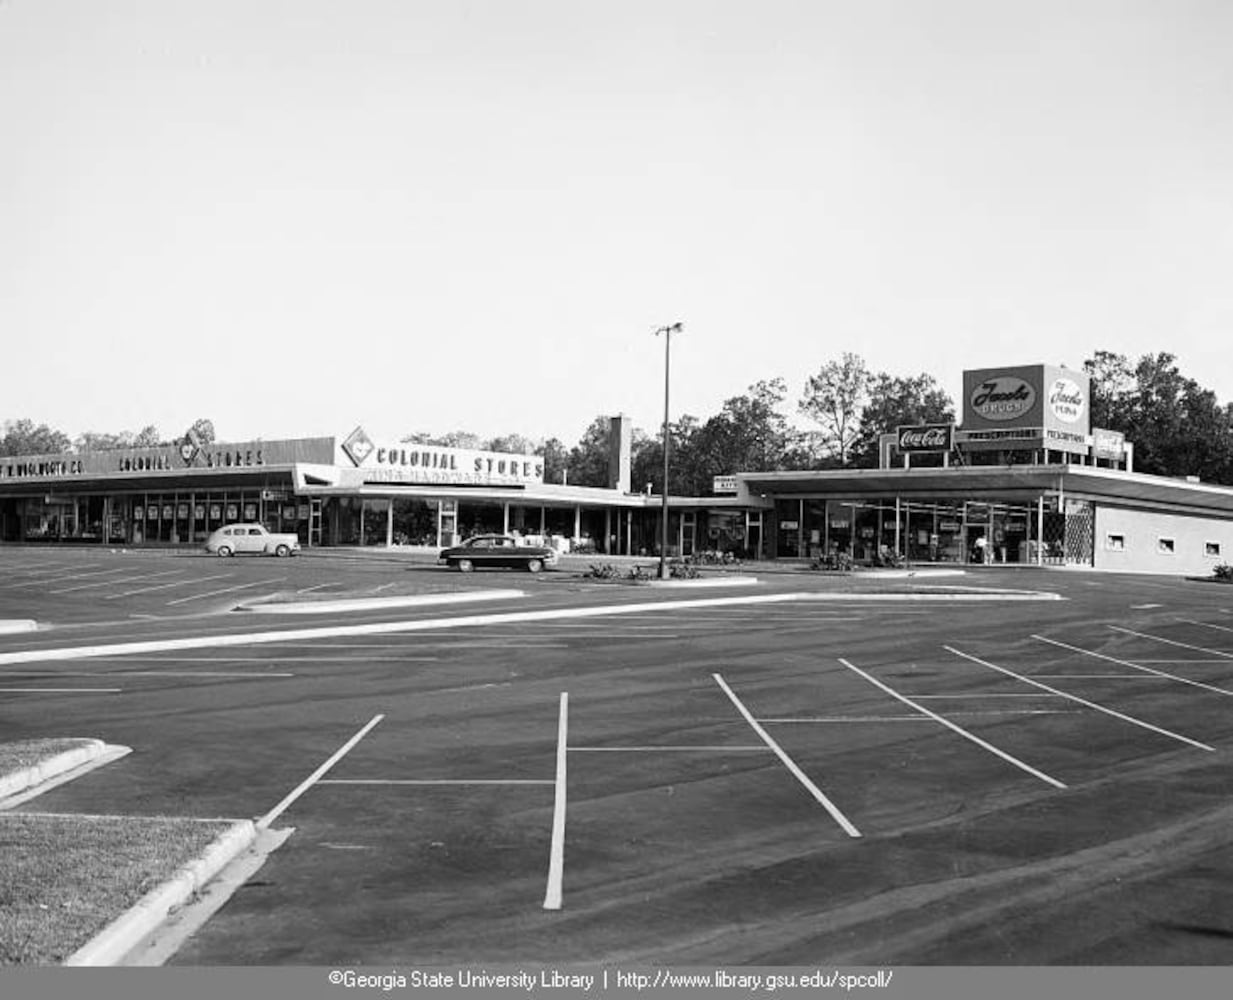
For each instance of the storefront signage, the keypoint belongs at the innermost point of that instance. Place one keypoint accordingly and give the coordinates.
(1067, 401)
(723, 484)
(1108, 444)
(926, 438)
(1002, 398)
(402, 462)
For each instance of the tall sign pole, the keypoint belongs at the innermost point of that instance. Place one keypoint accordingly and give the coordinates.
(667, 331)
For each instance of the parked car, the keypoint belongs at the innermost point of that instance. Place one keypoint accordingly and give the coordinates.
(234, 539)
(497, 550)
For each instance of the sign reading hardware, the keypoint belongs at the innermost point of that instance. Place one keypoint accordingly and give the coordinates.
(723, 484)
(400, 462)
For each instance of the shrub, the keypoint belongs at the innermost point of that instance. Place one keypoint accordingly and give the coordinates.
(602, 571)
(1224, 573)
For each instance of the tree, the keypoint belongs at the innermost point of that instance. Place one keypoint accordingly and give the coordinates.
(22, 437)
(748, 434)
(834, 398)
(556, 459)
(894, 401)
(204, 429)
(588, 459)
(1112, 380)
(147, 437)
(514, 444)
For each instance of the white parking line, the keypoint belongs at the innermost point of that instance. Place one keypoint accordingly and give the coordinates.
(108, 583)
(167, 586)
(225, 590)
(788, 762)
(652, 748)
(955, 728)
(73, 576)
(147, 673)
(1082, 701)
(265, 821)
(556, 855)
(1135, 666)
(9, 690)
(436, 781)
(1173, 642)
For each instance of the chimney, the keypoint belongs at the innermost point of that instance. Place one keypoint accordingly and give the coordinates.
(620, 450)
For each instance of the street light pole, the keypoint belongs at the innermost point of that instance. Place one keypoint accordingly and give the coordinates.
(667, 331)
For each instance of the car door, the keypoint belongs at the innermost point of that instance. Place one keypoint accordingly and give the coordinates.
(254, 540)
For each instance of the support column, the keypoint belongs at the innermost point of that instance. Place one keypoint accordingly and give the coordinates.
(577, 525)
(1040, 530)
(608, 546)
(505, 518)
(543, 520)
(389, 522)
(629, 532)
(898, 537)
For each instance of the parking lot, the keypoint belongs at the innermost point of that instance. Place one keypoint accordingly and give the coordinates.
(780, 774)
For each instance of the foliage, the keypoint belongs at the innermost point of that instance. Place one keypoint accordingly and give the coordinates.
(602, 571)
(837, 561)
(895, 401)
(22, 437)
(1178, 428)
(681, 569)
(1223, 573)
(834, 397)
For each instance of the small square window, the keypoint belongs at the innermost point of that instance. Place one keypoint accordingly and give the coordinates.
(1115, 543)
(1165, 546)
(1211, 549)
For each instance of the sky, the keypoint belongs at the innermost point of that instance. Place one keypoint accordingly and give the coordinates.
(293, 218)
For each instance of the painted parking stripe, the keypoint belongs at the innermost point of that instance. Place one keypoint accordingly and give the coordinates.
(212, 639)
(1173, 642)
(788, 762)
(556, 853)
(72, 576)
(983, 744)
(654, 748)
(255, 675)
(225, 590)
(264, 822)
(433, 782)
(1135, 666)
(167, 586)
(9, 690)
(108, 583)
(1083, 701)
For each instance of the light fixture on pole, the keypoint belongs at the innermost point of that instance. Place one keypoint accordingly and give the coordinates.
(667, 331)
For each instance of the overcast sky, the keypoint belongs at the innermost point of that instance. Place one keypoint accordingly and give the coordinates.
(297, 217)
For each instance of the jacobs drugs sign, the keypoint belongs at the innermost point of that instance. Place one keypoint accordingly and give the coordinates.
(1052, 402)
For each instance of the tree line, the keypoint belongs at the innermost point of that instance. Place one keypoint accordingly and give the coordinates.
(1178, 427)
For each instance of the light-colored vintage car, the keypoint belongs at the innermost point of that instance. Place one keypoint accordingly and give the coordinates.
(240, 539)
(497, 550)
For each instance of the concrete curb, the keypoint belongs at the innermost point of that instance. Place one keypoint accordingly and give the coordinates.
(378, 603)
(718, 581)
(10, 625)
(16, 782)
(123, 934)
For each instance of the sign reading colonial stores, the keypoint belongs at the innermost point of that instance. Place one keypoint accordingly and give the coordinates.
(926, 438)
(376, 460)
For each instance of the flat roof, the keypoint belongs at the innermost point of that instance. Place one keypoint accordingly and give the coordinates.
(1015, 482)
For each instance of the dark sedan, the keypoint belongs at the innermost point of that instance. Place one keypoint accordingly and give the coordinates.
(497, 550)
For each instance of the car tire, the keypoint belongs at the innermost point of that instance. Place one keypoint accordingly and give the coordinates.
(283, 551)
(535, 565)
(465, 565)
(224, 551)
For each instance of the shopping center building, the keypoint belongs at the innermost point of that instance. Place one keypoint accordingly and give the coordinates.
(1024, 479)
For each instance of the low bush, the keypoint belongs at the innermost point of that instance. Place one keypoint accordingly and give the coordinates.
(1223, 573)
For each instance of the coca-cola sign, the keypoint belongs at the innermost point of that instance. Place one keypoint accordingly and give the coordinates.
(926, 438)
(1005, 397)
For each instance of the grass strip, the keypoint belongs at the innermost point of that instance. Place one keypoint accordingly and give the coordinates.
(63, 878)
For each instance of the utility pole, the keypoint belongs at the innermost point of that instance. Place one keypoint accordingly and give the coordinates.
(667, 331)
